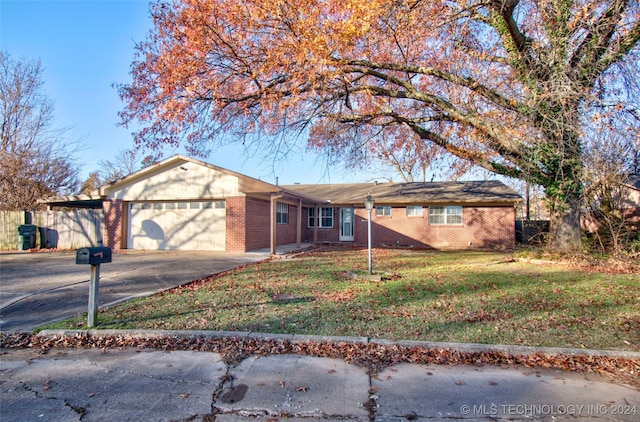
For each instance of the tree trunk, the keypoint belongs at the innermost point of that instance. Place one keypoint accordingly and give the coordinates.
(565, 234)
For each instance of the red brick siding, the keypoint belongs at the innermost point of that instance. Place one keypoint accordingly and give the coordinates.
(248, 225)
(483, 227)
(258, 223)
(324, 234)
(286, 233)
(114, 233)
(235, 219)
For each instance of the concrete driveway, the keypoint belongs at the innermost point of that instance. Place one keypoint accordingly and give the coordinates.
(40, 288)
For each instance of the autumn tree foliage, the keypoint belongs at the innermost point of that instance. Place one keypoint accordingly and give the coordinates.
(37, 159)
(503, 84)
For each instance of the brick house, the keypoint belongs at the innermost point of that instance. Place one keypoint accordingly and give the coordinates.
(187, 204)
(631, 200)
(627, 201)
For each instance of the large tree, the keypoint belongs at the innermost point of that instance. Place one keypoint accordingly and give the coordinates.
(504, 84)
(37, 158)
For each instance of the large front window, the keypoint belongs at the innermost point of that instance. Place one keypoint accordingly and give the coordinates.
(445, 215)
(326, 218)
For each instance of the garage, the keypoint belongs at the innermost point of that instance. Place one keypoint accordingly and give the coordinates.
(177, 225)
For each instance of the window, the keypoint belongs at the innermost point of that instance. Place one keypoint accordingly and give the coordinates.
(220, 205)
(207, 205)
(157, 206)
(414, 211)
(171, 205)
(282, 213)
(326, 217)
(182, 205)
(383, 211)
(194, 205)
(445, 215)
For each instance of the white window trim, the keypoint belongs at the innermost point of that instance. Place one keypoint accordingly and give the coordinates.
(446, 214)
(418, 208)
(382, 208)
(312, 219)
(282, 213)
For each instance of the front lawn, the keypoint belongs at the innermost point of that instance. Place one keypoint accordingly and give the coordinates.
(477, 297)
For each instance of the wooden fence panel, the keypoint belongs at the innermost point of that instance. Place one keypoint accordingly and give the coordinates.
(9, 222)
(69, 229)
(56, 229)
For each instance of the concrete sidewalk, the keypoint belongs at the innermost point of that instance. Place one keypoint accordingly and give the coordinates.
(133, 384)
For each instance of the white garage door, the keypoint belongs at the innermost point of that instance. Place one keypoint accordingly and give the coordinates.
(177, 225)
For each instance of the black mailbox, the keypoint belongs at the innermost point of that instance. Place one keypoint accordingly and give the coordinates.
(94, 256)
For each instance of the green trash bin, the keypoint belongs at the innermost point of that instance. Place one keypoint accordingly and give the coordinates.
(26, 236)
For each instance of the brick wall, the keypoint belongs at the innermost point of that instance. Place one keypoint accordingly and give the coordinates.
(331, 235)
(236, 224)
(286, 233)
(248, 222)
(114, 231)
(483, 227)
(258, 224)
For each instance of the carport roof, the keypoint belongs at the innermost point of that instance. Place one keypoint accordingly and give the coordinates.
(77, 201)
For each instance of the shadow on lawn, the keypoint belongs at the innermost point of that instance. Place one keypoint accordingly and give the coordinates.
(462, 297)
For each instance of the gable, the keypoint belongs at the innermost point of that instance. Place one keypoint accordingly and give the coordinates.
(177, 180)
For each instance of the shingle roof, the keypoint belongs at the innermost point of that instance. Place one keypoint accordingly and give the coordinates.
(634, 181)
(489, 191)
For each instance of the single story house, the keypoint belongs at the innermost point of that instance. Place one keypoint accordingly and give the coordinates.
(627, 199)
(631, 202)
(187, 204)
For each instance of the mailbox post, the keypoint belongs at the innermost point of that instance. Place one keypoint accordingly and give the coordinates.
(93, 256)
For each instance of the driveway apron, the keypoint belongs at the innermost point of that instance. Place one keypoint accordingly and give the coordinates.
(41, 288)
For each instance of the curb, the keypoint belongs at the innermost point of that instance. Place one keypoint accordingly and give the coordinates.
(298, 338)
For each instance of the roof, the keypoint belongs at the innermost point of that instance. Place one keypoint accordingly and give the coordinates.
(633, 180)
(488, 192)
(247, 184)
(485, 192)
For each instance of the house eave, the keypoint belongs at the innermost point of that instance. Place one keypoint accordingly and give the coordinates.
(74, 201)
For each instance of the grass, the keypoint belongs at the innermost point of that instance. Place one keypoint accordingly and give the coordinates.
(471, 296)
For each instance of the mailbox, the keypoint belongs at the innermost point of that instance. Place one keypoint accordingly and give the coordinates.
(94, 256)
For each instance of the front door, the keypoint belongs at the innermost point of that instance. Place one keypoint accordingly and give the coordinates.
(346, 224)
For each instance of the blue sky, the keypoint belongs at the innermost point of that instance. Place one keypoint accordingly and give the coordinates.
(85, 46)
